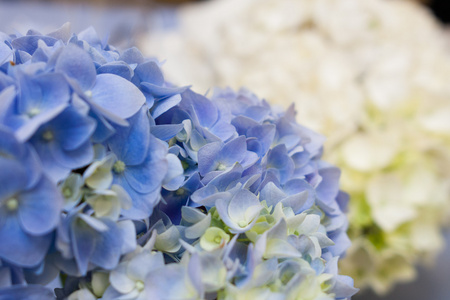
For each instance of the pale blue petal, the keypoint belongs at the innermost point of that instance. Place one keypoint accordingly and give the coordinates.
(72, 129)
(83, 240)
(207, 157)
(118, 68)
(40, 208)
(166, 131)
(21, 249)
(78, 65)
(108, 246)
(117, 95)
(149, 72)
(28, 292)
(137, 137)
(148, 176)
(29, 43)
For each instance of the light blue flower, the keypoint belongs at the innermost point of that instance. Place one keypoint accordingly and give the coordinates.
(217, 157)
(37, 99)
(63, 144)
(91, 241)
(110, 96)
(130, 187)
(140, 165)
(30, 204)
(240, 211)
(128, 279)
(176, 281)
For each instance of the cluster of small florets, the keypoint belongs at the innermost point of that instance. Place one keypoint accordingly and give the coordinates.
(372, 76)
(126, 187)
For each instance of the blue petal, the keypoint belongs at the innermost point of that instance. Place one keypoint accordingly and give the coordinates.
(72, 129)
(74, 159)
(11, 182)
(9, 146)
(328, 188)
(44, 92)
(207, 157)
(6, 53)
(341, 243)
(257, 112)
(343, 287)
(30, 127)
(108, 247)
(265, 135)
(77, 64)
(167, 131)
(164, 105)
(40, 207)
(18, 247)
(54, 171)
(149, 72)
(297, 186)
(90, 35)
(7, 97)
(29, 43)
(118, 68)
(271, 194)
(223, 130)
(132, 56)
(103, 130)
(233, 151)
(137, 137)
(148, 176)
(162, 91)
(227, 179)
(242, 124)
(203, 108)
(83, 239)
(63, 33)
(117, 95)
(238, 205)
(342, 200)
(174, 201)
(28, 292)
(143, 204)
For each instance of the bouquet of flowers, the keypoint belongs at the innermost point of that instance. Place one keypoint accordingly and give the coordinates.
(372, 76)
(124, 186)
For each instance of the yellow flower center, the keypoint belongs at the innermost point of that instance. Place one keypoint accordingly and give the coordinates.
(139, 285)
(67, 192)
(47, 135)
(33, 112)
(242, 223)
(221, 167)
(12, 204)
(119, 166)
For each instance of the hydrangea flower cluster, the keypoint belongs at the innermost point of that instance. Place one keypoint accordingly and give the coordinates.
(127, 187)
(372, 75)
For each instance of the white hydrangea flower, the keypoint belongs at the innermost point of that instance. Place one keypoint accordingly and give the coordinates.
(372, 76)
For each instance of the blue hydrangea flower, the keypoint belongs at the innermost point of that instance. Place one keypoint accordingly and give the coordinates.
(140, 165)
(29, 204)
(63, 144)
(126, 186)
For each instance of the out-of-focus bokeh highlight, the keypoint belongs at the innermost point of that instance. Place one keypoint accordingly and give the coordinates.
(371, 75)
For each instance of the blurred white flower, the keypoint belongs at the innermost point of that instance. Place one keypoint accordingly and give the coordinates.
(371, 75)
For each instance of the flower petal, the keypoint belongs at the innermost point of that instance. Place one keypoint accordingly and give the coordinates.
(117, 95)
(40, 207)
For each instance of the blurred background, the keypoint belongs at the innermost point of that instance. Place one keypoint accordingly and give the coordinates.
(126, 22)
(122, 20)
